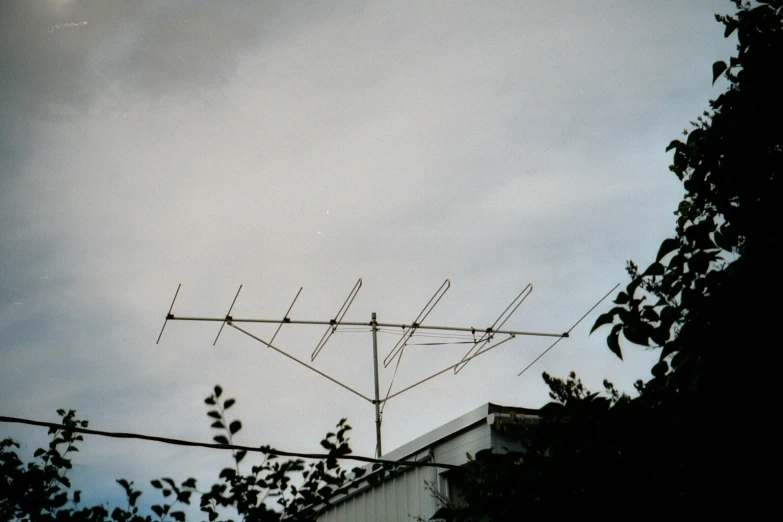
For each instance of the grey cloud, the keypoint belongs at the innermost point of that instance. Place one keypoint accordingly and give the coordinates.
(204, 143)
(53, 60)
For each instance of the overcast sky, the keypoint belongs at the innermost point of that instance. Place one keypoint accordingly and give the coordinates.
(282, 145)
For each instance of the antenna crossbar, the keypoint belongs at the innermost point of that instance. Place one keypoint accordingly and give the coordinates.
(368, 324)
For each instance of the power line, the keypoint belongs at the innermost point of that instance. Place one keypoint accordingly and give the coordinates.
(235, 447)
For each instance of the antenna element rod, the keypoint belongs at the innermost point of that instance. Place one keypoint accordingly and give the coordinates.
(168, 315)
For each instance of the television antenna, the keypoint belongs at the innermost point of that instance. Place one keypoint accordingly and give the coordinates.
(480, 339)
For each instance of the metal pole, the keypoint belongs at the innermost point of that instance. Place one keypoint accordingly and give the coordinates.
(377, 401)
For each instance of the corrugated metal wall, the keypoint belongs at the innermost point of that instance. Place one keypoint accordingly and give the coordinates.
(454, 450)
(401, 499)
(405, 497)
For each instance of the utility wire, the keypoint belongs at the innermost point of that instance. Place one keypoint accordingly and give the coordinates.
(235, 447)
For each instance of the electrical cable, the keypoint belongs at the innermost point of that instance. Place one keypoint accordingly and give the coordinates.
(235, 447)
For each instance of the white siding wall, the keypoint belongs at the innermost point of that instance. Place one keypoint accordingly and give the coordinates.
(454, 450)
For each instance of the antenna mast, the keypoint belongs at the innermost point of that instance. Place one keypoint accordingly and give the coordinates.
(480, 345)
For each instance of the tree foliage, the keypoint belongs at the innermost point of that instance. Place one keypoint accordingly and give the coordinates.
(727, 240)
(272, 490)
(694, 442)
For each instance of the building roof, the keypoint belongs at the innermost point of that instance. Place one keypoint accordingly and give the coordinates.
(488, 413)
(406, 492)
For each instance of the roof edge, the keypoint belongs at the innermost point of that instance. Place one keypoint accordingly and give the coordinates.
(462, 422)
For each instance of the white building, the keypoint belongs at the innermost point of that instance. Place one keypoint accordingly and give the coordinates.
(411, 494)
